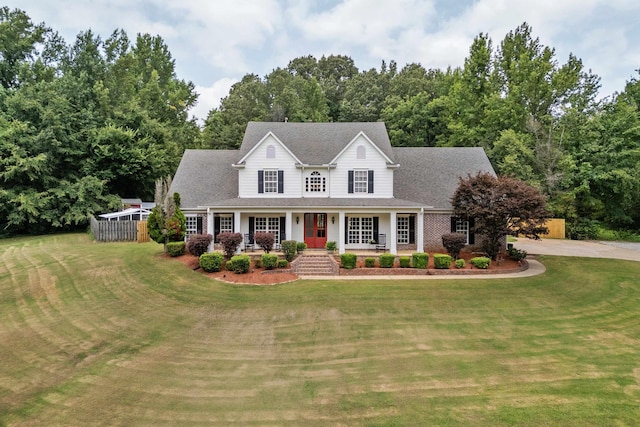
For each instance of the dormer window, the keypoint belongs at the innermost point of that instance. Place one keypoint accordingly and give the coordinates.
(360, 181)
(270, 181)
(271, 152)
(361, 152)
(315, 183)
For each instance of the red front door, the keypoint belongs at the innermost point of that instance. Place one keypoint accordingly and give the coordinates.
(315, 230)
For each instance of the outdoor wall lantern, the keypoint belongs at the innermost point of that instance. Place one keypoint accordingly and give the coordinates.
(333, 220)
(297, 220)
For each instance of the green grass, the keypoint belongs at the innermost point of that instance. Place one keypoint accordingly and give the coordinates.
(115, 334)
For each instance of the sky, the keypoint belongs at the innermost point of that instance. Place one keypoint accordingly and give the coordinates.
(216, 42)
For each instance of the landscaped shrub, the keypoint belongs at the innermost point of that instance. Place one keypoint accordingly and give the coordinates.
(175, 248)
(230, 242)
(369, 262)
(199, 244)
(453, 243)
(289, 248)
(241, 263)
(386, 260)
(211, 261)
(258, 262)
(269, 261)
(301, 247)
(582, 229)
(283, 263)
(441, 261)
(348, 261)
(331, 246)
(265, 241)
(460, 263)
(405, 261)
(516, 254)
(480, 262)
(420, 260)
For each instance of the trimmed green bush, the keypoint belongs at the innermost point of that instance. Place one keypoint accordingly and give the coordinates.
(301, 247)
(241, 264)
(269, 261)
(282, 263)
(369, 262)
(175, 248)
(405, 261)
(480, 262)
(420, 260)
(386, 260)
(441, 261)
(211, 261)
(348, 261)
(459, 263)
(516, 254)
(258, 262)
(331, 246)
(289, 249)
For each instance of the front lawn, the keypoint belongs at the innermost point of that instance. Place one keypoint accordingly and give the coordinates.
(116, 334)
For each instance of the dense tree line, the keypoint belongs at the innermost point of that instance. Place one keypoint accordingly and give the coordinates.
(82, 124)
(85, 123)
(539, 120)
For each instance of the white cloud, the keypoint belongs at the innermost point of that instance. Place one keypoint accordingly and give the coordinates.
(210, 97)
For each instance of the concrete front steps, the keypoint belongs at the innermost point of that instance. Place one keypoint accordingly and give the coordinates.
(315, 265)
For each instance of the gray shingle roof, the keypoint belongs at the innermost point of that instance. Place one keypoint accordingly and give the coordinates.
(316, 143)
(430, 175)
(206, 176)
(427, 176)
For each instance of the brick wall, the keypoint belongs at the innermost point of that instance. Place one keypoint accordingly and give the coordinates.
(435, 225)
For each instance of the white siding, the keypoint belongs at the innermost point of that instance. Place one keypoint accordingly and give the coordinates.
(248, 176)
(383, 177)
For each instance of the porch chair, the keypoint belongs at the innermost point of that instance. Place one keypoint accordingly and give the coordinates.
(381, 244)
(248, 242)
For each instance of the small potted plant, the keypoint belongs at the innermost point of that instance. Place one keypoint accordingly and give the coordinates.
(331, 246)
(300, 247)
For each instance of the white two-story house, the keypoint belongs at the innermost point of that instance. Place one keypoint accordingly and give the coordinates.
(315, 182)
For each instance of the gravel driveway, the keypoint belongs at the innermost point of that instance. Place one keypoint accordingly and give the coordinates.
(592, 249)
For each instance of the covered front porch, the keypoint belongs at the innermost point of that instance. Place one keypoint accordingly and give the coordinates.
(353, 230)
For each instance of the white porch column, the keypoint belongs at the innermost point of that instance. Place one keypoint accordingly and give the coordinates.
(236, 229)
(341, 225)
(393, 239)
(210, 227)
(288, 225)
(420, 231)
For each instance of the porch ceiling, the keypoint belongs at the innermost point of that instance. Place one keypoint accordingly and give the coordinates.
(316, 202)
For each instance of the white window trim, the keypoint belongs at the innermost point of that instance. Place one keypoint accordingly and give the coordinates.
(270, 181)
(402, 230)
(360, 185)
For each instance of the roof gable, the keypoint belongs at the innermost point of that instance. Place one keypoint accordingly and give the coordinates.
(316, 143)
(268, 137)
(356, 138)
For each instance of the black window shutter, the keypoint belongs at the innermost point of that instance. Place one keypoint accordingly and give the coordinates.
(199, 225)
(350, 181)
(376, 229)
(472, 235)
(370, 179)
(252, 228)
(260, 181)
(453, 224)
(346, 230)
(283, 229)
(281, 182)
(412, 229)
(216, 228)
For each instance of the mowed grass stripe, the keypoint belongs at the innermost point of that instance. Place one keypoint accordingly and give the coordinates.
(147, 341)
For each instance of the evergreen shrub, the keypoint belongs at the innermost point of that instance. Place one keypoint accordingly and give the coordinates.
(441, 261)
(240, 264)
(459, 263)
(348, 261)
(420, 260)
(269, 261)
(405, 261)
(480, 262)
(175, 248)
(289, 248)
(211, 261)
(386, 260)
(282, 263)
(369, 262)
